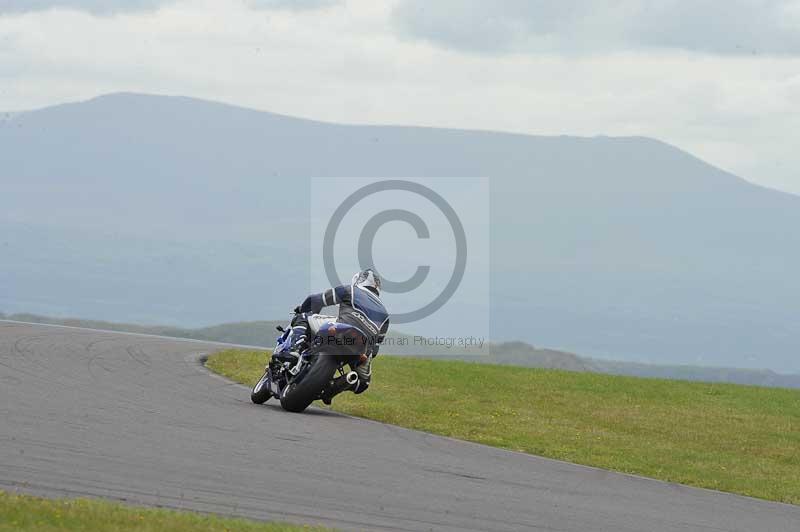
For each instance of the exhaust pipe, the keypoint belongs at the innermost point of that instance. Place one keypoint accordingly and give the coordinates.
(351, 378)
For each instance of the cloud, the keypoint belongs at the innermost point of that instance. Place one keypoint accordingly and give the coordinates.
(97, 7)
(111, 7)
(294, 5)
(737, 27)
(348, 64)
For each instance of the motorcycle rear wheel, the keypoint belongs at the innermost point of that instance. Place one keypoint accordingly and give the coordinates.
(298, 396)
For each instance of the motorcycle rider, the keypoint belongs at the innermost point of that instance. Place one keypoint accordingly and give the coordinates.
(359, 306)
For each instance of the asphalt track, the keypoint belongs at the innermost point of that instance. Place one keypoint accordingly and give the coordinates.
(137, 418)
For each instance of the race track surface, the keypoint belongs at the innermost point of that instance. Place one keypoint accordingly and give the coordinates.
(137, 418)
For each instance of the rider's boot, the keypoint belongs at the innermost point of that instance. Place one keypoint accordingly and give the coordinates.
(340, 384)
(337, 386)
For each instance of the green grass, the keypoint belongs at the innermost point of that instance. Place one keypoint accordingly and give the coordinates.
(23, 513)
(728, 437)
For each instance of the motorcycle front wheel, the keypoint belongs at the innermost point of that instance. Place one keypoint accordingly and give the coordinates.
(261, 393)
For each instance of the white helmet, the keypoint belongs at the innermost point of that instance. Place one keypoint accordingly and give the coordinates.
(368, 279)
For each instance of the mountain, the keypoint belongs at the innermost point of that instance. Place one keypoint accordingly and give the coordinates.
(172, 210)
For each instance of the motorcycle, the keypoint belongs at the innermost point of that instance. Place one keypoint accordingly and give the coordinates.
(299, 379)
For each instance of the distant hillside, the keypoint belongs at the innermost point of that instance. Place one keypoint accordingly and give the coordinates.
(255, 333)
(263, 333)
(175, 210)
(698, 373)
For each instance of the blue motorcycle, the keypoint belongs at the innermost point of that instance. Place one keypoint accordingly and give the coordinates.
(299, 379)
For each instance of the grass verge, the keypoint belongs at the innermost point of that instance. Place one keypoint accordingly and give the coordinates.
(741, 439)
(23, 513)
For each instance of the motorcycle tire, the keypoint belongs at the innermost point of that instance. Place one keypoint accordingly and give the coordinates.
(296, 397)
(261, 393)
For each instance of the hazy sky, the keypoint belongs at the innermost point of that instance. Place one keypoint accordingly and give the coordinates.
(720, 79)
